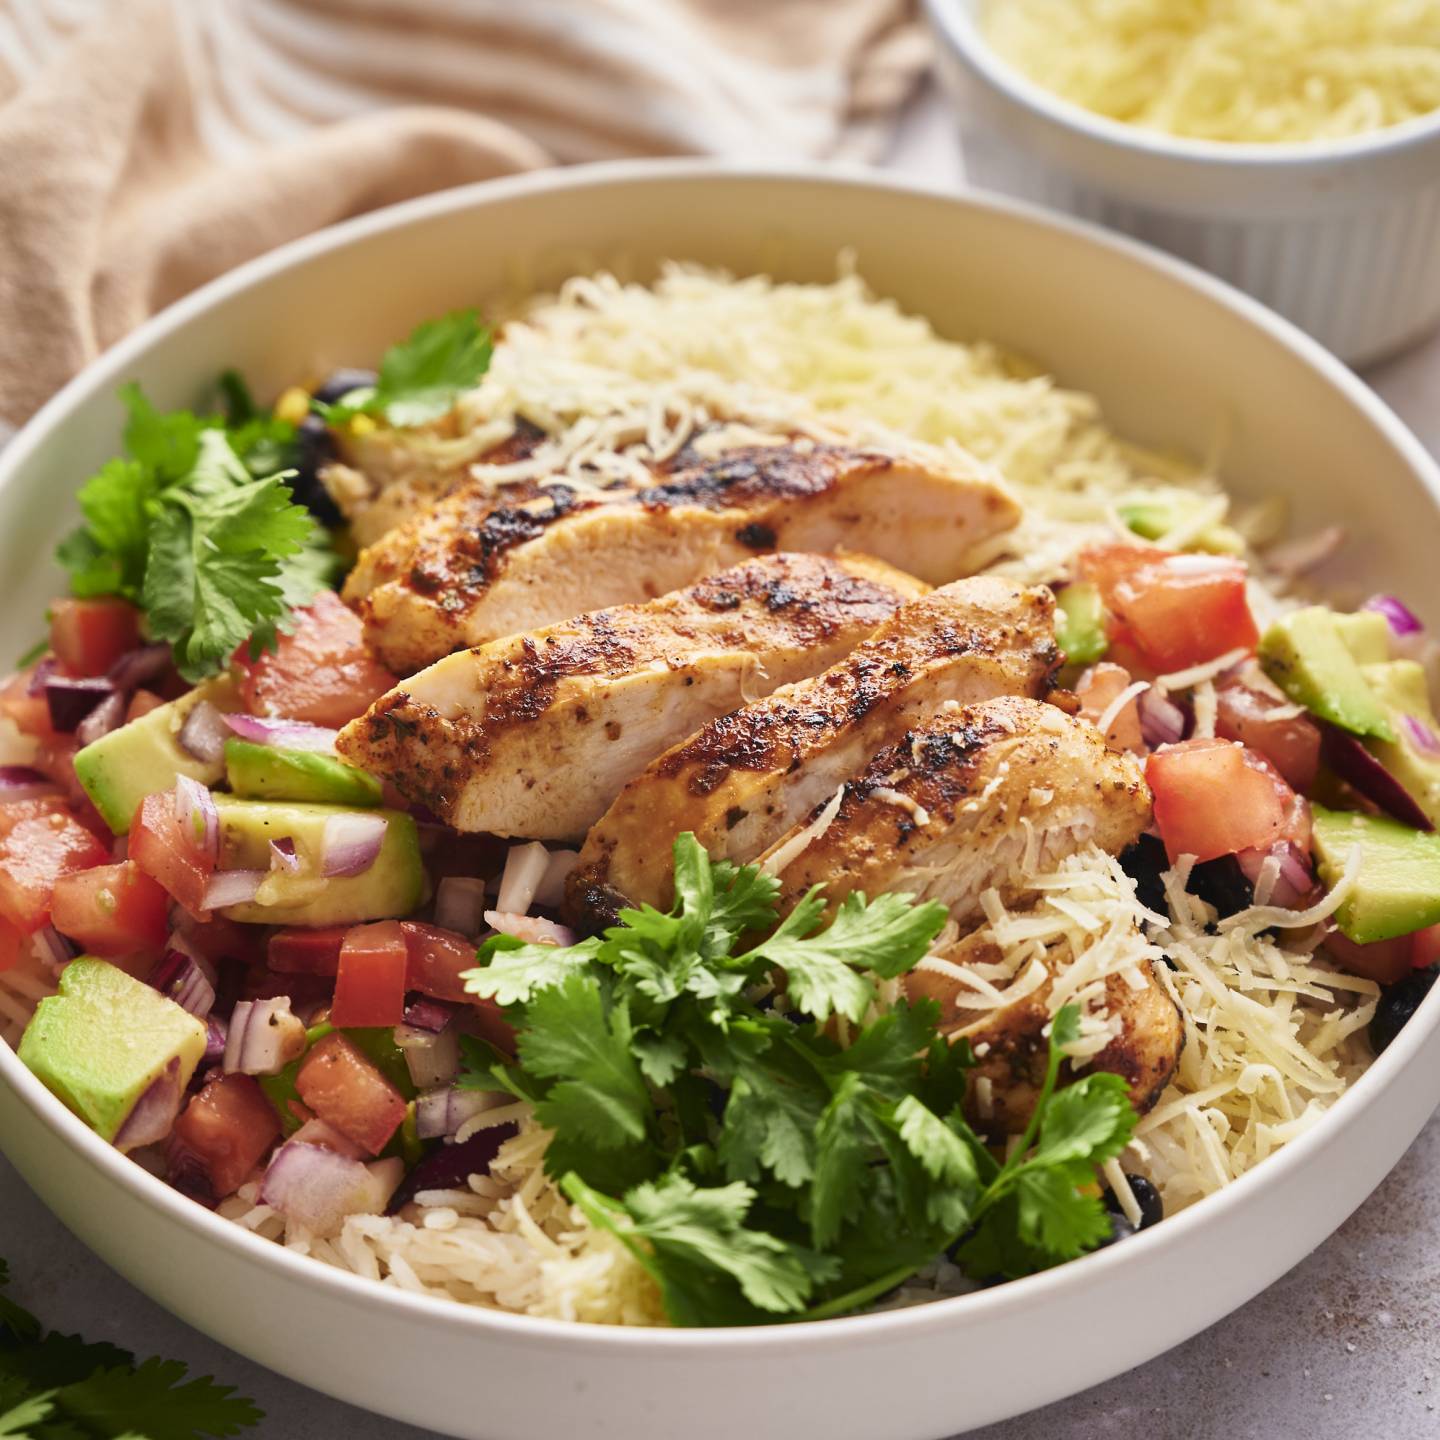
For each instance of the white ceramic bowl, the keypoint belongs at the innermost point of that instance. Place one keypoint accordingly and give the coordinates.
(1343, 238)
(1100, 313)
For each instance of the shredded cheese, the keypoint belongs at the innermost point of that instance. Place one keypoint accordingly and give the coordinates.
(1263, 71)
(800, 842)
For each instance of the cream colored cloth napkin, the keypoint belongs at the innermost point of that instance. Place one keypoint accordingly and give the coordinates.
(148, 145)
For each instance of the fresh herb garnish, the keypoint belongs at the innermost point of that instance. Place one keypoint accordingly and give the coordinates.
(421, 378)
(760, 1168)
(59, 1387)
(185, 528)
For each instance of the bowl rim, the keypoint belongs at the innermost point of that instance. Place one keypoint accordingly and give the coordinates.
(808, 1336)
(955, 23)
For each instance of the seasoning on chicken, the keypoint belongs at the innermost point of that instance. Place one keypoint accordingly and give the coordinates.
(1010, 1044)
(482, 563)
(534, 735)
(746, 778)
(976, 798)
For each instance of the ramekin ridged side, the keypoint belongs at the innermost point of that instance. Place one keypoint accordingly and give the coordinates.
(1343, 239)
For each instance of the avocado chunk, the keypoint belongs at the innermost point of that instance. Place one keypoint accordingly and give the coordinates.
(1413, 757)
(1397, 889)
(1080, 624)
(1308, 655)
(393, 886)
(105, 1039)
(1366, 635)
(120, 769)
(1161, 514)
(265, 772)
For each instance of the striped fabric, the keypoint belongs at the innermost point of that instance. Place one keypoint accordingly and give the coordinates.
(150, 144)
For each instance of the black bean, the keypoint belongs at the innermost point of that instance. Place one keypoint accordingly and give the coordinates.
(1222, 883)
(341, 382)
(1144, 862)
(1397, 1004)
(1147, 1197)
(316, 447)
(1120, 1229)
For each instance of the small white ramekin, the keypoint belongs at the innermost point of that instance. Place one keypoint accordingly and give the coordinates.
(1343, 238)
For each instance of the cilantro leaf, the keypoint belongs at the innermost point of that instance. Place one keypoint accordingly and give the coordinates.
(510, 972)
(841, 1160)
(1090, 1120)
(944, 1155)
(421, 378)
(19, 1321)
(156, 1400)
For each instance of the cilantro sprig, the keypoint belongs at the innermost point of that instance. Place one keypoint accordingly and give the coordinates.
(760, 1168)
(184, 527)
(420, 379)
(59, 1387)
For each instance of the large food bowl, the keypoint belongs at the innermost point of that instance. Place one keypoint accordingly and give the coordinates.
(1177, 360)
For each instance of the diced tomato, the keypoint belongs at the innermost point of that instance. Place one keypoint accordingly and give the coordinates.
(11, 942)
(323, 673)
(160, 848)
(345, 1090)
(305, 951)
(89, 636)
(111, 910)
(1098, 688)
(1176, 610)
(1425, 947)
(227, 1129)
(370, 983)
(142, 702)
(1290, 743)
(30, 714)
(1214, 797)
(1383, 961)
(39, 842)
(437, 960)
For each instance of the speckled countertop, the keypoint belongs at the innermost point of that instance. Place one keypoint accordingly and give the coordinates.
(1346, 1345)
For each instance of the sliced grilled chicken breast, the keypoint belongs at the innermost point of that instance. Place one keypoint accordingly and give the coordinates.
(534, 735)
(1011, 1046)
(746, 778)
(974, 798)
(479, 564)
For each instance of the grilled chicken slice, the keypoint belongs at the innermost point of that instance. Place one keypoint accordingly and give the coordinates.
(746, 778)
(482, 564)
(973, 799)
(534, 735)
(1011, 1046)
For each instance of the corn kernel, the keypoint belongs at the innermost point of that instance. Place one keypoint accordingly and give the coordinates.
(362, 425)
(293, 405)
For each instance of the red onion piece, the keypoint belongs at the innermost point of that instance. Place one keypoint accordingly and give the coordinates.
(525, 867)
(350, 844)
(318, 1188)
(1351, 761)
(1294, 882)
(460, 905)
(108, 715)
(1421, 736)
(264, 1037)
(216, 1034)
(1398, 615)
(154, 1112)
(198, 817)
(551, 890)
(70, 701)
(432, 1016)
(316, 1132)
(232, 887)
(20, 782)
(449, 1167)
(138, 667)
(431, 1058)
(55, 950)
(41, 674)
(443, 1112)
(1162, 721)
(530, 928)
(178, 977)
(282, 734)
(283, 856)
(203, 733)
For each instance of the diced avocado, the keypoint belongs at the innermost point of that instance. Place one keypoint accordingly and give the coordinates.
(1307, 653)
(1366, 635)
(105, 1039)
(119, 770)
(1080, 624)
(1398, 886)
(394, 885)
(1159, 515)
(1401, 688)
(264, 772)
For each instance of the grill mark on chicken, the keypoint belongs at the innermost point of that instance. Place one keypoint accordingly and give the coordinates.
(534, 735)
(747, 777)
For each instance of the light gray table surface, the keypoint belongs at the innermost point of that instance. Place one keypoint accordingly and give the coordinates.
(1346, 1345)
